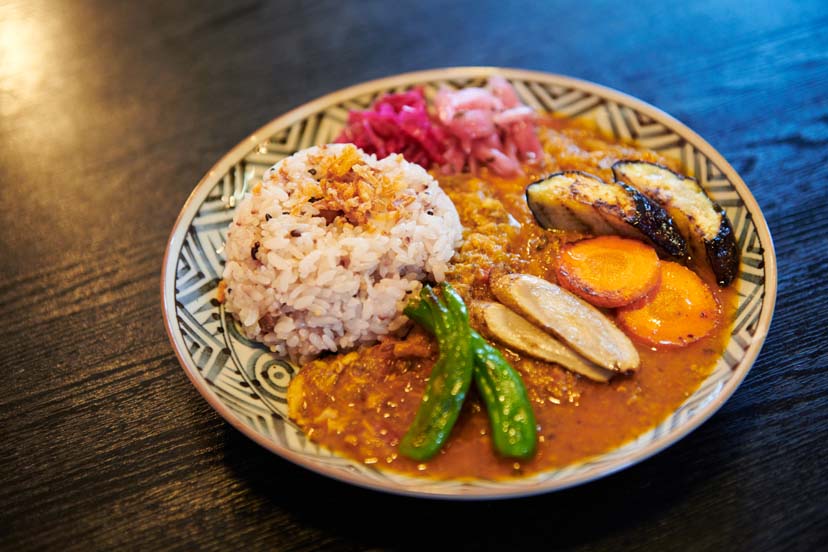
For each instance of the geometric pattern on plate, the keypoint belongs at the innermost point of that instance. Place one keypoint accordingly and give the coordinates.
(247, 384)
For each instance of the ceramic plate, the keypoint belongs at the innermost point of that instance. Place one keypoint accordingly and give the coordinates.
(247, 385)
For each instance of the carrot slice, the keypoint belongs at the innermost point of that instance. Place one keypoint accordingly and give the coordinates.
(609, 271)
(682, 311)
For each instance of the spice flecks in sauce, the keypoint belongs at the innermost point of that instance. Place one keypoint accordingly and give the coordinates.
(577, 418)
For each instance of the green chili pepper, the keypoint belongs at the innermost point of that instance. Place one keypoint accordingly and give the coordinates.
(514, 432)
(449, 380)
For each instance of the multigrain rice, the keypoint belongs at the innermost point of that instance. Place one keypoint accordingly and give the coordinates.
(325, 252)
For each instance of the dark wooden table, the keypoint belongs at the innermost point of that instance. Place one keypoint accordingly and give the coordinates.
(110, 112)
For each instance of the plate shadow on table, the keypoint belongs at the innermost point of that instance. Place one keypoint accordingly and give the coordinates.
(560, 519)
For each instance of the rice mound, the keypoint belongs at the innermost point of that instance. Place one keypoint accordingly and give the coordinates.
(323, 254)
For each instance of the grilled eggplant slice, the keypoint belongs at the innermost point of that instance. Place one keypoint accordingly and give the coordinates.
(702, 221)
(581, 202)
(511, 329)
(579, 324)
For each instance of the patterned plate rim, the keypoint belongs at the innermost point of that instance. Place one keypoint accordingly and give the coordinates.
(486, 490)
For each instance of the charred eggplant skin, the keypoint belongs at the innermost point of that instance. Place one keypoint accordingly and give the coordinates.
(648, 219)
(719, 243)
(723, 253)
(652, 220)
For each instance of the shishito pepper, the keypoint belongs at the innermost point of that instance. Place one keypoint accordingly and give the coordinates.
(449, 380)
(514, 431)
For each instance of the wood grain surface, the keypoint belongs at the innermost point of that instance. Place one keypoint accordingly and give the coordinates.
(110, 112)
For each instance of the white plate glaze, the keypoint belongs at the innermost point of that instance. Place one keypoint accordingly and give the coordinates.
(247, 385)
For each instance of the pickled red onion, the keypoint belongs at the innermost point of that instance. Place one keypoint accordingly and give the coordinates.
(470, 128)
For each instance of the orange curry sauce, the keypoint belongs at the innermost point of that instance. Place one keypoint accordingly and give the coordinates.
(360, 404)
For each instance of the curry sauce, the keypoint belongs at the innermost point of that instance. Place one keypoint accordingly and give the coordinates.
(360, 404)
